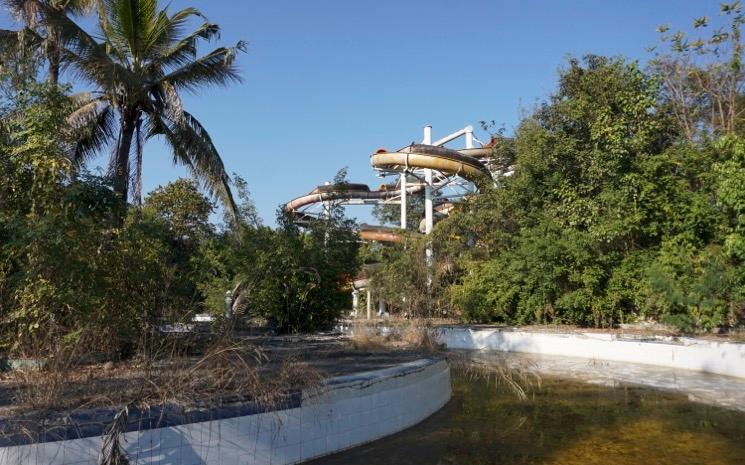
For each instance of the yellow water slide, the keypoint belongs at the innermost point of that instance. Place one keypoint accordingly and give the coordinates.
(369, 232)
(464, 163)
(347, 191)
(444, 160)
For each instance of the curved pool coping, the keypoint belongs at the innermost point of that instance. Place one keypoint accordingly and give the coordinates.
(722, 358)
(345, 412)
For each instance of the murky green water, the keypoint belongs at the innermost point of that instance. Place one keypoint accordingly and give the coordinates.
(565, 422)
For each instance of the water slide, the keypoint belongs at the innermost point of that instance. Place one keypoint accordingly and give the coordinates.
(412, 159)
(421, 156)
(444, 175)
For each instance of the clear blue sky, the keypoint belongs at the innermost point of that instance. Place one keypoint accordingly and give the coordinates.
(328, 82)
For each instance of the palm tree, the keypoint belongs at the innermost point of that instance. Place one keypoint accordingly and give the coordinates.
(139, 69)
(35, 36)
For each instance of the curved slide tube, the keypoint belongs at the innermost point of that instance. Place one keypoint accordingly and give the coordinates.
(328, 193)
(463, 163)
(370, 232)
(421, 156)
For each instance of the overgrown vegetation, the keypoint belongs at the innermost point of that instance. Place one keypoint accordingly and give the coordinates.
(626, 203)
(86, 267)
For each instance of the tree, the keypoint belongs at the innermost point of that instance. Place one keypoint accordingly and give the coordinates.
(37, 37)
(297, 280)
(703, 76)
(247, 214)
(541, 247)
(66, 279)
(139, 70)
(185, 211)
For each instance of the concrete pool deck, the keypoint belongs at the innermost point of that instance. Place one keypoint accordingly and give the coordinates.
(723, 358)
(707, 371)
(376, 394)
(346, 411)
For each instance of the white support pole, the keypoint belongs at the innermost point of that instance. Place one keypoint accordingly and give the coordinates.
(369, 305)
(428, 185)
(355, 302)
(428, 208)
(469, 137)
(450, 137)
(381, 306)
(403, 200)
(327, 205)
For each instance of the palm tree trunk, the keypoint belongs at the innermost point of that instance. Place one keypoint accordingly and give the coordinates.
(54, 66)
(54, 56)
(121, 163)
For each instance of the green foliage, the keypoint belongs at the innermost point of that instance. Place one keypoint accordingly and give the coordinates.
(608, 218)
(33, 162)
(66, 276)
(298, 281)
(405, 281)
(184, 210)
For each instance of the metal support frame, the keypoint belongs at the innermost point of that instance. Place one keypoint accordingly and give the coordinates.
(381, 306)
(355, 302)
(369, 305)
(436, 183)
(327, 205)
(428, 208)
(469, 137)
(467, 131)
(427, 140)
(403, 200)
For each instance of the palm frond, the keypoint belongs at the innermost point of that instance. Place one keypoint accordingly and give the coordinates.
(93, 127)
(129, 23)
(90, 58)
(193, 147)
(216, 68)
(13, 41)
(23, 10)
(167, 30)
(183, 51)
(79, 7)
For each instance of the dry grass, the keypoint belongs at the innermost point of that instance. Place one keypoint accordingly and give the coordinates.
(410, 335)
(519, 377)
(738, 336)
(369, 341)
(225, 373)
(112, 450)
(421, 336)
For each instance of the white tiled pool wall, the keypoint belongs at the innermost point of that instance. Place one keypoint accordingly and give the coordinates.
(722, 358)
(351, 411)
